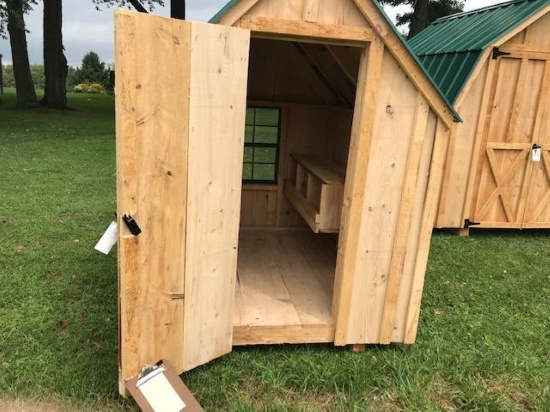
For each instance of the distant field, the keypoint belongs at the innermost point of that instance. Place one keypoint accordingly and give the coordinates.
(484, 333)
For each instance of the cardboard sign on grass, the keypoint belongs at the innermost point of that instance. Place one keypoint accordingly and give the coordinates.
(160, 389)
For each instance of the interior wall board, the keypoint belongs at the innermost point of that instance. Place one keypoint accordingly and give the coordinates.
(322, 131)
(283, 71)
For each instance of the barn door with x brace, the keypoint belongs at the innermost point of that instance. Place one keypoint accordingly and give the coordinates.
(180, 110)
(513, 186)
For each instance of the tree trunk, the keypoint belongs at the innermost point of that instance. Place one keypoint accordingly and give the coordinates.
(55, 63)
(177, 9)
(419, 20)
(1, 76)
(26, 95)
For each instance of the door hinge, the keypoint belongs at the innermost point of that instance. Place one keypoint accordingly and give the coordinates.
(468, 223)
(497, 53)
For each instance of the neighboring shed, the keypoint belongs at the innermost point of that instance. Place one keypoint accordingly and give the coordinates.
(493, 64)
(286, 191)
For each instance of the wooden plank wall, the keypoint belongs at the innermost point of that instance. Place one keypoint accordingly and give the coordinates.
(342, 13)
(368, 83)
(389, 208)
(383, 187)
(259, 205)
(536, 36)
(462, 152)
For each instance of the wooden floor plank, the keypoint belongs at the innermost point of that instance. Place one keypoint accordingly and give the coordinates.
(266, 301)
(322, 258)
(319, 250)
(239, 318)
(311, 300)
(285, 286)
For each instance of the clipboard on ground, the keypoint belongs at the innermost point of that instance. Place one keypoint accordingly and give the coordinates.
(158, 388)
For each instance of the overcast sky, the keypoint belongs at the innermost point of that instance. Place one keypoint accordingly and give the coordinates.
(86, 29)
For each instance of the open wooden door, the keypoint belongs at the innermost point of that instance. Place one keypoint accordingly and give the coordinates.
(180, 111)
(510, 185)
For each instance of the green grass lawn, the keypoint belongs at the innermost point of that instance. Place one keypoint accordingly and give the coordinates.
(484, 334)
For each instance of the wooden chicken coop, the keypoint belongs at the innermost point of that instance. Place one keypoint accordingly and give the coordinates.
(283, 166)
(494, 65)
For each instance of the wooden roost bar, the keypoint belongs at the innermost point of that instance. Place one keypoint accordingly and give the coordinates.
(232, 139)
(497, 73)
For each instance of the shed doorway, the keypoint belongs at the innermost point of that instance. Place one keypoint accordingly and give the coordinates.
(300, 103)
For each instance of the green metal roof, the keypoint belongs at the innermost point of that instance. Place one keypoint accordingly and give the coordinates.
(451, 47)
(218, 16)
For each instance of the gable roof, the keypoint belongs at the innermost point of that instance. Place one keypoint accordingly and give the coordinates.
(451, 47)
(401, 43)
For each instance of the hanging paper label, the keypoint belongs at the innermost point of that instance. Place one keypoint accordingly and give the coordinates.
(108, 239)
(536, 154)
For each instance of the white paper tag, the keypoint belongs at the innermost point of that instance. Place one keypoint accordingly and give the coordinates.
(535, 154)
(108, 240)
(158, 392)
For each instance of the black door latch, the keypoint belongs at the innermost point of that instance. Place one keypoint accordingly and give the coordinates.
(131, 224)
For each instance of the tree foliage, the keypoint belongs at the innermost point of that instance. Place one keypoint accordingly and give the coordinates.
(424, 12)
(37, 73)
(92, 70)
(6, 9)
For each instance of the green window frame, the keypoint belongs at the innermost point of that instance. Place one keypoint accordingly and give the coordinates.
(261, 145)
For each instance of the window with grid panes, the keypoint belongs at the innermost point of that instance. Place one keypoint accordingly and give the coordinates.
(261, 145)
